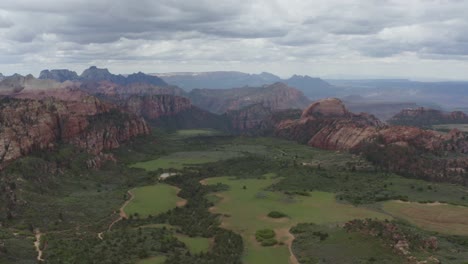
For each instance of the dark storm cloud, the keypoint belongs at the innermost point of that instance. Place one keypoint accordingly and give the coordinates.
(209, 31)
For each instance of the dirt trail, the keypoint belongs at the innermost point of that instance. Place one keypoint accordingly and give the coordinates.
(37, 245)
(284, 232)
(122, 215)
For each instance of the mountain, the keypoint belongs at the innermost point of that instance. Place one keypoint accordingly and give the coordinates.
(276, 96)
(412, 151)
(37, 119)
(258, 120)
(60, 75)
(95, 74)
(217, 80)
(426, 117)
(2, 77)
(314, 88)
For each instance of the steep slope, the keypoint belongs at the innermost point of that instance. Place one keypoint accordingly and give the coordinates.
(172, 112)
(217, 80)
(258, 119)
(36, 119)
(276, 96)
(426, 117)
(412, 151)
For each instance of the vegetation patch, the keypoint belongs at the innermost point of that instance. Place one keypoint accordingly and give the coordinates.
(180, 160)
(266, 237)
(195, 245)
(277, 214)
(152, 200)
(443, 218)
(247, 208)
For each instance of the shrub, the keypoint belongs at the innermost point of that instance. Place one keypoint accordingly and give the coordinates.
(276, 214)
(266, 237)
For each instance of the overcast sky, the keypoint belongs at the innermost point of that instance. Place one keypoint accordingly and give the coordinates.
(402, 38)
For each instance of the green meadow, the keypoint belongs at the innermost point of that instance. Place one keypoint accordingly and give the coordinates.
(179, 160)
(152, 200)
(442, 218)
(245, 206)
(195, 244)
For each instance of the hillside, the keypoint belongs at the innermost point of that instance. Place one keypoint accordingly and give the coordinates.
(412, 151)
(426, 117)
(276, 96)
(217, 80)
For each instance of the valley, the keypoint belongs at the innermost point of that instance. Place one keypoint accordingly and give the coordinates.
(127, 169)
(264, 175)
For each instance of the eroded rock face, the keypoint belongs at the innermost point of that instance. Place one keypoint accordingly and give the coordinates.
(277, 96)
(326, 124)
(39, 123)
(155, 106)
(330, 107)
(426, 117)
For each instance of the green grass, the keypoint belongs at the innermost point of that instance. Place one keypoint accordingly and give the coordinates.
(419, 190)
(152, 200)
(197, 132)
(340, 247)
(179, 160)
(195, 244)
(443, 218)
(245, 211)
(153, 260)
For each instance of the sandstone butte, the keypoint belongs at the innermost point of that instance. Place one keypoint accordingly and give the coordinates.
(327, 124)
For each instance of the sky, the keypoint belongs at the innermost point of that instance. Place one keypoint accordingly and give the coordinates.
(418, 39)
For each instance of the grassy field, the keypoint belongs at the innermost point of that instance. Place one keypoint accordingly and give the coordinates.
(179, 160)
(153, 260)
(152, 200)
(419, 190)
(448, 127)
(195, 244)
(184, 133)
(443, 218)
(341, 246)
(245, 211)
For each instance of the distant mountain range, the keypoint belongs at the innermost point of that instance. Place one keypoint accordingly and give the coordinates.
(94, 74)
(313, 88)
(217, 79)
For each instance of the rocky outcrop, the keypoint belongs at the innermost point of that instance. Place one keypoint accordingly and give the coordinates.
(258, 119)
(155, 106)
(426, 117)
(29, 124)
(327, 124)
(407, 150)
(60, 75)
(276, 96)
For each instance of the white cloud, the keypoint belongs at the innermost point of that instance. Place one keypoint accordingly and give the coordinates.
(284, 36)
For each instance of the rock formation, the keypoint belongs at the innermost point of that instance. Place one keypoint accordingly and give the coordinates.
(328, 125)
(276, 96)
(426, 117)
(60, 75)
(37, 118)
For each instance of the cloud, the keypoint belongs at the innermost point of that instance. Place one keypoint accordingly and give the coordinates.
(224, 32)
